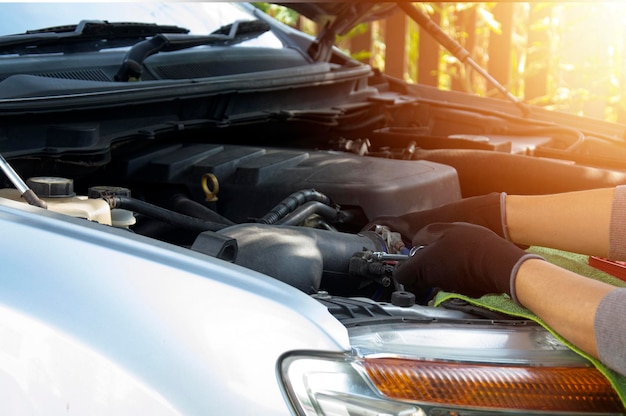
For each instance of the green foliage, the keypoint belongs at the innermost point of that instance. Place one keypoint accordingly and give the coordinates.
(280, 13)
(564, 56)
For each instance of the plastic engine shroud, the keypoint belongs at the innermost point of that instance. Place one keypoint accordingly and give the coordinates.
(252, 180)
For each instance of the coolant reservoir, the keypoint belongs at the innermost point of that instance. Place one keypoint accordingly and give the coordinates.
(120, 218)
(59, 194)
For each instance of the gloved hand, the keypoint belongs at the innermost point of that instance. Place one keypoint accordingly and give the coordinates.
(486, 210)
(462, 258)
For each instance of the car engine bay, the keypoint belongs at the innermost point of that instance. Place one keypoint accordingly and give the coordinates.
(289, 184)
(298, 211)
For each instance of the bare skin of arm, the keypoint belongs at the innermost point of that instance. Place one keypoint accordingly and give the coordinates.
(564, 300)
(573, 221)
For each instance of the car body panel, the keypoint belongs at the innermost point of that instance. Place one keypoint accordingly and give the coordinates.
(161, 315)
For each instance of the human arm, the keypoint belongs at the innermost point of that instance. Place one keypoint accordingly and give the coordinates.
(591, 221)
(588, 313)
(474, 261)
(564, 300)
(578, 221)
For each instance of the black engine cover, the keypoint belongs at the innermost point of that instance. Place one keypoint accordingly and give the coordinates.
(252, 180)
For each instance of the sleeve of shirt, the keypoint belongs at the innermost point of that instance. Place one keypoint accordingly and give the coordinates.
(610, 330)
(617, 231)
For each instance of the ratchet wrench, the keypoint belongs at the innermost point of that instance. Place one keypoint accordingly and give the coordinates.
(382, 256)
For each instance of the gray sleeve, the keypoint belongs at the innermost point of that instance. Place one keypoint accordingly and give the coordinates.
(610, 329)
(617, 231)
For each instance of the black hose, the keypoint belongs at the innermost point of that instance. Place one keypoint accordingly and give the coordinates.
(187, 206)
(162, 214)
(292, 202)
(306, 210)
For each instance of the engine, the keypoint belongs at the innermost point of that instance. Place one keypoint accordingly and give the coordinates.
(295, 215)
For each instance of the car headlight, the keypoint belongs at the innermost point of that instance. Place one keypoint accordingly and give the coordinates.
(335, 385)
(413, 376)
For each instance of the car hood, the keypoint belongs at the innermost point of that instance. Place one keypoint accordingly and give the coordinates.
(355, 12)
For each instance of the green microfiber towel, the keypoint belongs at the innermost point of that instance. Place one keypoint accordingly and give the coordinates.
(504, 304)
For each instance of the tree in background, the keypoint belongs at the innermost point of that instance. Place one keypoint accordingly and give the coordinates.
(564, 56)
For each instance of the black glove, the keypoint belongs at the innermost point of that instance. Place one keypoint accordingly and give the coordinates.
(463, 258)
(485, 210)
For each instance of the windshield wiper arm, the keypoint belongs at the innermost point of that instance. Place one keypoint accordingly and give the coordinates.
(231, 34)
(87, 35)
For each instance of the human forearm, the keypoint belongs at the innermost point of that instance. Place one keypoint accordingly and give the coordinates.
(564, 300)
(474, 261)
(574, 221)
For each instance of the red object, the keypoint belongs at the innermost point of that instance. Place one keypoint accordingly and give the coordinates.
(612, 267)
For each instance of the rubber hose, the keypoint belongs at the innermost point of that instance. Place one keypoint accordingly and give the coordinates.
(162, 214)
(185, 205)
(292, 202)
(481, 172)
(306, 210)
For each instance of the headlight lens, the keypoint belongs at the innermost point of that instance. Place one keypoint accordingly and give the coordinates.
(335, 385)
(415, 377)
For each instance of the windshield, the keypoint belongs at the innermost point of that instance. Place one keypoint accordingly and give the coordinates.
(198, 17)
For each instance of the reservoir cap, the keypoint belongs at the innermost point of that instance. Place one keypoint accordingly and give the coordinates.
(51, 186)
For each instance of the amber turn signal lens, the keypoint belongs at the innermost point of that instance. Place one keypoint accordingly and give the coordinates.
(564, 389)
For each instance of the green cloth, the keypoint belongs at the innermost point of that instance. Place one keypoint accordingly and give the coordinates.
(504, 304)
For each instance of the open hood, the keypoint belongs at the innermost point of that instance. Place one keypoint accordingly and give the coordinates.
(357, 12)
(338, 18)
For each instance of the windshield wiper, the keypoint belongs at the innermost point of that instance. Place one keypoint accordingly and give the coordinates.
(87, 35)
(231, 34)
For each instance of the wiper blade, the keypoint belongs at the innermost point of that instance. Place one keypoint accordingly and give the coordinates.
(227, 35)
(87, 35)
